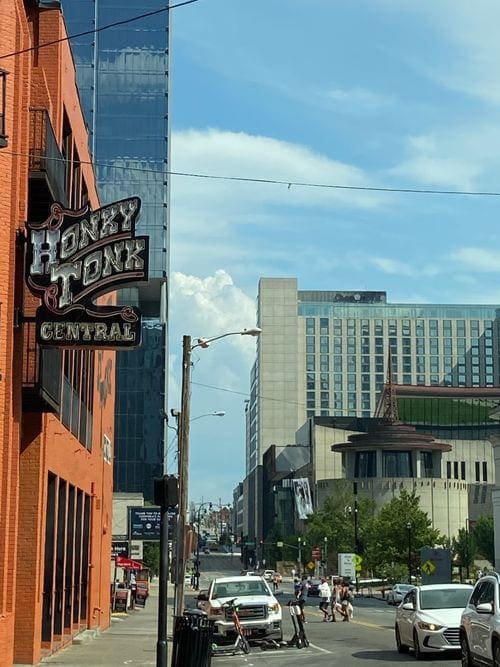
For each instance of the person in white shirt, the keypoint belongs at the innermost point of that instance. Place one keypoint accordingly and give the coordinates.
(325, 594)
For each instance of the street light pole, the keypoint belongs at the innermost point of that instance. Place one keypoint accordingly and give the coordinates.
(408, 528)
(300, 555)
(325, 539)
(184, 419)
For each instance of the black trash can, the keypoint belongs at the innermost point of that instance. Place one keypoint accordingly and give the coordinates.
(193, 635)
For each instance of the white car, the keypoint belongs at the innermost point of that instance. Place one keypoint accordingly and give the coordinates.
(258, 610)
(428, 619)
(397, 593)
(480, 623)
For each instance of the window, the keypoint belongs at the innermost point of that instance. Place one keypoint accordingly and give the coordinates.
(397, 464)
(485, 471)
(455, 469)
(477, 467)
(426, 464)
(310, 325)
(448, 469)
(323, 326)
(365, 464)
(462, 469)
(310, 380)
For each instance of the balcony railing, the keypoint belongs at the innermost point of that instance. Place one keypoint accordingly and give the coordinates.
(41, 374)
(3, 103)
(45, 155)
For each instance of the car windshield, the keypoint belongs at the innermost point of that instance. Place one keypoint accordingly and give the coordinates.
(403, 588)
(444, 598)
(239, 589)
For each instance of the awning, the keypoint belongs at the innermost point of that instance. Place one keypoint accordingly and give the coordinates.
(128, 563)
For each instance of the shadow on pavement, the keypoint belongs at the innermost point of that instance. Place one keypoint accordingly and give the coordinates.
(394, 656)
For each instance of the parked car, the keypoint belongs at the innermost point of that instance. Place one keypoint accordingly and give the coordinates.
(313, 588)
(395, 594)
(428, 620)
(259, 611)
(480, 623)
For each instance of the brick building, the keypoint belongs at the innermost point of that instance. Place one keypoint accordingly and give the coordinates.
(56, 406)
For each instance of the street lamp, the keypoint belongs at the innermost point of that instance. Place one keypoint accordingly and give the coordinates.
(184, 420)
(408, 528)
(216, 413)
(325, 539)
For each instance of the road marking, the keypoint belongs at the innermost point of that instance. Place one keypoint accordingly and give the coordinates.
(318, 648)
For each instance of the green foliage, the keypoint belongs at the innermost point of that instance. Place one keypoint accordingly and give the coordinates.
(464, 549)
(391, 539)
(393, 572)
(151, 556)
(335, 521)
(484, 535)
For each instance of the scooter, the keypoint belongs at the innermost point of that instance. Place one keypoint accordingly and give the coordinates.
(241, 644)
(299, 639)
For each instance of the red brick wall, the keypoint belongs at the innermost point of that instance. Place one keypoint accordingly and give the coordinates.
(13, 188)
(46, 79)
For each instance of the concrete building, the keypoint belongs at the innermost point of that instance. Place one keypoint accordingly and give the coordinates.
(325, 353)
(57, 409)
(123, 77)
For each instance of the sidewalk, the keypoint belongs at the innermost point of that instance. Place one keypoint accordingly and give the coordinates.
(130, 640)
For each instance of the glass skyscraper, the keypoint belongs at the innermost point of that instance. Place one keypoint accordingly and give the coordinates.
(123, 74)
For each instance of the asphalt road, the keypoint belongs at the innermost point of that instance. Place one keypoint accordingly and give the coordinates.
(366, 641)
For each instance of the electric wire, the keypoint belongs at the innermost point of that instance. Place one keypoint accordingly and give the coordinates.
(93, 31)
(274, 181)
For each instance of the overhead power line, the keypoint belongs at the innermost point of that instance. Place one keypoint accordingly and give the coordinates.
(93, 31)
(273, 181)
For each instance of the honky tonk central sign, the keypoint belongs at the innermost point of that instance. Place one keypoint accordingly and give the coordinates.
(75, 256)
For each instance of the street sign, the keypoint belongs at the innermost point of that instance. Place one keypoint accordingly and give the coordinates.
(346, 565)
(357, 560)
(316, 553)
(310, 565)
(436, 566)
(428, 567)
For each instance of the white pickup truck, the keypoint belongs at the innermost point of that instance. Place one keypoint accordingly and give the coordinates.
(258, 610)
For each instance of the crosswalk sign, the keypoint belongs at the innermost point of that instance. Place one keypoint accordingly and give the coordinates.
(357, 560)
(428, 567)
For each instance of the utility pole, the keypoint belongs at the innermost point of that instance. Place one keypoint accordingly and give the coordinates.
(183, 474)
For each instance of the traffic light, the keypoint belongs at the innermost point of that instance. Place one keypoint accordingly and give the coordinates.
(166, 491)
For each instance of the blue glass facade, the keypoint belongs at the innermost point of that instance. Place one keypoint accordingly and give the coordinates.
(122, 76)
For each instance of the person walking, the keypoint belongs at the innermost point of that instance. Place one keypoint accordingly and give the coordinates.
(325, 594)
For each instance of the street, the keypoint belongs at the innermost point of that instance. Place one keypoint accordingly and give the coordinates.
(367, 640)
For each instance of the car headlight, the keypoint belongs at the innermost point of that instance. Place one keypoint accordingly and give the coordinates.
(429, 626)
(274, 607)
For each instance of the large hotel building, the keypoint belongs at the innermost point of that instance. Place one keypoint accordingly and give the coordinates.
(325, 354)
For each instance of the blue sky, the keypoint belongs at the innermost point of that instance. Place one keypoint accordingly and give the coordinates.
(381, 93)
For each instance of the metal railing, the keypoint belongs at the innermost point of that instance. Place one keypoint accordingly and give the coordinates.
(45, 155)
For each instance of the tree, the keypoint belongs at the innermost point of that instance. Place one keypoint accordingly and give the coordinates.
(151, 556)
(400, 526)
(484, 534)
(336, 521)
(465, 549)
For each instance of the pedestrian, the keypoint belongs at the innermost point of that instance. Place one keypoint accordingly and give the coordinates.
(346, 600)
(132, 583)
(275, 582)
(325, 595)
(299, 590)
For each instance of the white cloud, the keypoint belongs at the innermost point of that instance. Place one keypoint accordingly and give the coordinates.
(355, 100)
(392, 266)
(477, 259)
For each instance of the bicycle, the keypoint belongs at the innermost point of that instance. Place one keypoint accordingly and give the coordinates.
(240, 642)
